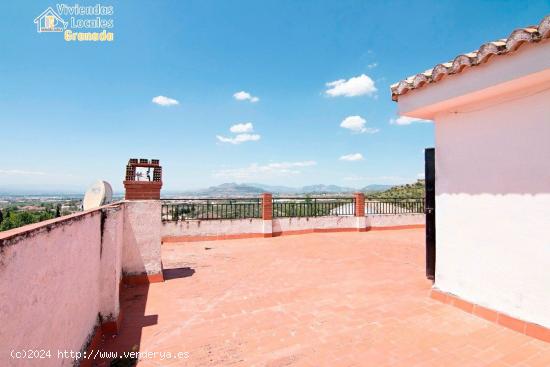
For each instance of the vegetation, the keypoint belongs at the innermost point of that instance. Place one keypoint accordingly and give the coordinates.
(251, 208)
(312, 207)
(409, 191)
(13, 217)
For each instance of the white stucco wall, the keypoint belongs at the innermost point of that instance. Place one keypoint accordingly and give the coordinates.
(142, 237)
(55, 278)
(493, 204)
(301, 224)
(211, 227)
(58, 276)
(111, 262)
(229, 227)
(395, 220)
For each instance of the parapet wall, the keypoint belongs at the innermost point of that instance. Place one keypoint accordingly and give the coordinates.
(60, 279)
(217, 229)
(200, 230)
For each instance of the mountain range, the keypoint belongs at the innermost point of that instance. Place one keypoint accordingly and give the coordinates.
(255, 189)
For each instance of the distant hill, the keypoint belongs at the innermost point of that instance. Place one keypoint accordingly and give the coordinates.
(276, 189)
(254, 189)
(224, 190)
(233, 189)
(407, 191)
(323, 189)
(376, 188)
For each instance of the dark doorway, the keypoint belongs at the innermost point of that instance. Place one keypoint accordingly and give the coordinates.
(429, 174)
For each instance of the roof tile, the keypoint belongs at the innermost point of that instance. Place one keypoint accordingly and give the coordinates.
(516, 39)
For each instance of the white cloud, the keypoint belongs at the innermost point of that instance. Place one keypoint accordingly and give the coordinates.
(165, 101)
(420, 176)
(18, 172)
(245, 96)
(357, 125)
(404, 120)
(356, 86)
(352, 157)
(262, 171)
(372, 65)
(242, 128)
(239, 138)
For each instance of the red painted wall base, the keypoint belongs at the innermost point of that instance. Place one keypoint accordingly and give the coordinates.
(176, 239)
(524, 327)
(141, 279)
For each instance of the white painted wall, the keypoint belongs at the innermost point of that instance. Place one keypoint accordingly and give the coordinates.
(302, 224)
(55, 278)
(493, 204)
(142, 237)
(395, 220)
(198, 228)
(212, 227)
(111, 262)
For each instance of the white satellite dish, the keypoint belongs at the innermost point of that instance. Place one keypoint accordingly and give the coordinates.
(99, 194)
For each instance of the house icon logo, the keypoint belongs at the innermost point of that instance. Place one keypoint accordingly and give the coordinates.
(49, 21)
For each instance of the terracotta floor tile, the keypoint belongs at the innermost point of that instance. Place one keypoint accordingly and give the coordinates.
(330, 299)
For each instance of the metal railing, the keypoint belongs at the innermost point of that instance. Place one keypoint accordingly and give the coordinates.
(242, 208)
(394, 206)
(207, 209)
(313, 207)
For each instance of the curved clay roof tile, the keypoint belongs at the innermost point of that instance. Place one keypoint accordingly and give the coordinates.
(489, 49)
(420, 80)
(483, 54)
(544, 27)
(459, 63)
(519, 36)
(440, 70)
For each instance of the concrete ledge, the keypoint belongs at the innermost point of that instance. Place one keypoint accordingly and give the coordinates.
(174, 239)
(389, 228)
(15, 235)
(524, 327)
(141, 279)
(314, 230)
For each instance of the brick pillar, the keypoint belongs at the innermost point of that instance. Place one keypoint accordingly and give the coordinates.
(137, 186)
(360, 219)
(267, 206)
(267, 214)
(359, 204)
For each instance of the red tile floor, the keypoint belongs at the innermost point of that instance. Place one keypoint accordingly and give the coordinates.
(327, 299)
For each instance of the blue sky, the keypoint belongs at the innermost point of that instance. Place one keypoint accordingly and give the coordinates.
(74, 112)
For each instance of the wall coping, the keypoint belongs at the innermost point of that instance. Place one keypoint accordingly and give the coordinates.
(13, 236)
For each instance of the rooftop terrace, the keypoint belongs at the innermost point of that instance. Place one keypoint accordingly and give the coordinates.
(330, 299)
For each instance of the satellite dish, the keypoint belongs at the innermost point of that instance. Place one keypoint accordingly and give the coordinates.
(99, 194)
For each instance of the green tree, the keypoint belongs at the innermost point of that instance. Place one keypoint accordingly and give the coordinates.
(15, 219)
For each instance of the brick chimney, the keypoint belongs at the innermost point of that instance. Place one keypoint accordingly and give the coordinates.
(143, 179)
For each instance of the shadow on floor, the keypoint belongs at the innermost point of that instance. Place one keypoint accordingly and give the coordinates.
(133, 300)
(178, 273)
